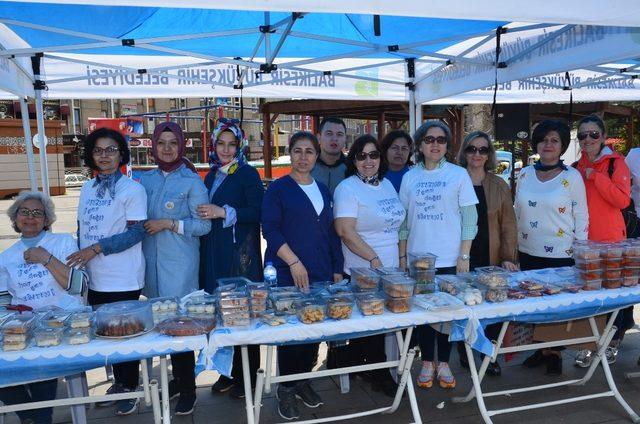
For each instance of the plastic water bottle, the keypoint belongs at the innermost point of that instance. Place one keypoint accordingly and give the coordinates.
(270, 275)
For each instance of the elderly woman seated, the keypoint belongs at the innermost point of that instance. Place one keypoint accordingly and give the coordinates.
(34, 273)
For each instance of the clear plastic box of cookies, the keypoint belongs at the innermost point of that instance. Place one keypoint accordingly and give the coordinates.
(365, 278)
(422, 261)
(340, 306)
(311, 310)
(398, 305)
(398, 286)
(493, 276)
(371, 303)
(200, 305)
(124, 319)
(284, 302)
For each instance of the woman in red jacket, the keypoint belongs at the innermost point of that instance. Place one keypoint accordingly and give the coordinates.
(607, 180)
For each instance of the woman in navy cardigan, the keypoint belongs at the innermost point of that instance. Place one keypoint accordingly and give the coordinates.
(297, 223)
(232, 247)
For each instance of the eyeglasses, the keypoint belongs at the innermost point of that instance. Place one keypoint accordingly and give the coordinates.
(403, 149)
(431, 139)
(364, 155)
(36, 213)
(109, 151)
(593, 134)
(470, 150)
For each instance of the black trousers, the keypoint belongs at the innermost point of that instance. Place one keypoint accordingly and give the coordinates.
(32, 392)
(254, 363)
(125, 373)
(183, 366)
(295, 359)
(427, 336)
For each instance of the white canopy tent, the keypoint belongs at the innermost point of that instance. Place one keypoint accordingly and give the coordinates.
(348, 49)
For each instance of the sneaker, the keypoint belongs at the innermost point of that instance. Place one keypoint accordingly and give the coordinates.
(224, 384)
(115, 388)
(307, 395)
(287, 404)
(584, 358)
(126, 406)
(425, 378)
(494, 369)
(186, 404)
(611, 353)
(445, 377)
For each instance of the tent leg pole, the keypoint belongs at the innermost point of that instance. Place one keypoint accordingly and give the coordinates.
(412, 112)
(26, 126)
(44, 166)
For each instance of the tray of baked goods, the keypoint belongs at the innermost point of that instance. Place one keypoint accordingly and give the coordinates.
(125, 319)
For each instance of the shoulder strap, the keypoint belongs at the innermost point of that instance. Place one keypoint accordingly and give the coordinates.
(611, 168)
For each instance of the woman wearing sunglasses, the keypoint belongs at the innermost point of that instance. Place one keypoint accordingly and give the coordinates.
(496, 241)
(368, 215)
(607, 180)
(441, 219)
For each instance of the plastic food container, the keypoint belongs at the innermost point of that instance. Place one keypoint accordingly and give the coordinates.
(340, 306)
(423, 276)
(80, 320)
(589, 264)
(398, 305)
(231, 284)
(390, 270)
(370, 303)
(493, 276)
(596, 274)
(516, 294)
(124, 319)
(591, 284)
(13, 344)
(422, 261)
(612, 251)
(338, 288)
(271, 319)
(234, 300)
(182, 326)
(201, 305)
(164, 305)
(235, 319)
(630, 276)
(424, 288)
(631, 250)
(77, 336)
(612, 273)
(47, 337)
(470, 296)
(613, 262)
(631, 261)
(56, 319)
(551, 289)
(19, 324)
(586, 252)
(398, 286)
(493, 294)
(612, 283)
(452, 284)
(531, 285)
(258, 291)
(283, 302)
(311, 310)
(365, 278)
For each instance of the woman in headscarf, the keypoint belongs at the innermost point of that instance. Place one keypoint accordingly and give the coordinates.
(232, 247)
(172, 244)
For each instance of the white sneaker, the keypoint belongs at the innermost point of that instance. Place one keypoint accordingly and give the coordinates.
(611, 353)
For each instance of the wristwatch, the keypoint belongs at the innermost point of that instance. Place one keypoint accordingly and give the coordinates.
(465, 257)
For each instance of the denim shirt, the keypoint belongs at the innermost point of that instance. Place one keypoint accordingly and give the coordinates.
(172, 259)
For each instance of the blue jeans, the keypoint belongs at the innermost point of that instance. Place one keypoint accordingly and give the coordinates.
(33, 392)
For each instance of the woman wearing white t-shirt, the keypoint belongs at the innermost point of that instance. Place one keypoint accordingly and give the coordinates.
(111, 213)
(33, 272)
(368, 215)
(441, 219)
(551, 212)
